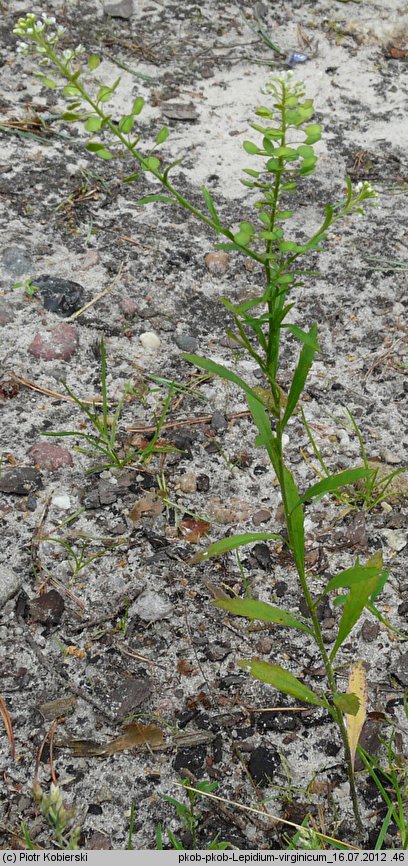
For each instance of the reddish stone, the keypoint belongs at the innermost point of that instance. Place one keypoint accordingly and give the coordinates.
(61, 343)
(49, 456)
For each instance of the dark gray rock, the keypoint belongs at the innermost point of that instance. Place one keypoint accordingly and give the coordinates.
(262, 765)
(47, 608)
(63, 297)
(186, 342)
(17, 260)
(130, 694)
(20, 480)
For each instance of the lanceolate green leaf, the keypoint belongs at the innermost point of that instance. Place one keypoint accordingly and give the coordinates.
(222, 372)
(251, 608)
(362, 581)
(298, 382)
(232, 542)
(156, 197)
(281, 680)
(266, 438)
(295, 520)
(210, 204)
(334, 482)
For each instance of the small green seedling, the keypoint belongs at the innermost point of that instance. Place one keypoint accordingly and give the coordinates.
(79, 556)
(190, 818)
(373, 488)
(103, 443)
(28, 285)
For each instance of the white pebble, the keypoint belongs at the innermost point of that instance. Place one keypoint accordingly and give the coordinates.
(285, 440)
(62, 502)
(149, 340)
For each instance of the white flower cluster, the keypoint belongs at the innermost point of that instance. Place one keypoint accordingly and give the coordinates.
(283, 79)
(37, 37)
(364, 190)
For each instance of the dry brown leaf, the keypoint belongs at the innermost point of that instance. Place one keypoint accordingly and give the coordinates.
(192, 530)
(51, 710)
(134, 736)
(149, 504)
(75, 651)
(8, 725)
(357, 685)
(185, 668)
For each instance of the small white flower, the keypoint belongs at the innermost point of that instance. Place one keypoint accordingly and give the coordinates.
(60, 30)
(68, 54)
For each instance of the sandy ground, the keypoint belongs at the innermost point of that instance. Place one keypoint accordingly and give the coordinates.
(134, 635)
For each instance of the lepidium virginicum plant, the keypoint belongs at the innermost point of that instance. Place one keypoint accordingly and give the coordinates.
(284, 156)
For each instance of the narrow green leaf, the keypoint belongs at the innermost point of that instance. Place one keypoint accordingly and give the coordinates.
(156, 197)
(307, 338)
(102, 153)
(300, 375)
(94, 146)
(347, 703)
(281, 680)
(162, 135)
(48, 82)
(93, 61)
(250, 608)
(210, 204)
(295, 520)
(266, 438)
(333, 482)
(233, 542)
(222, 372)
(362, 581)
(71, 116)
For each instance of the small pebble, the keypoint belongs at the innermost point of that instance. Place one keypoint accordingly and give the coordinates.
(395, 538)
(17, 261)
(149, 340)
(50, 457)
(217, 263)
(60, 296)
(219, 421)
(6, 313)
(151, 607)
(62, 502)
(59, 343)
(188, 483)
(186, 342)
(390, 457)
(369, 630)
(128, 306)
(261, 516)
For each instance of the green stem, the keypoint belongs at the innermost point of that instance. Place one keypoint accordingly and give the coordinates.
(335, 712)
